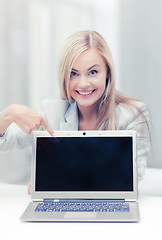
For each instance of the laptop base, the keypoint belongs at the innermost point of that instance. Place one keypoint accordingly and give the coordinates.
(31, 216)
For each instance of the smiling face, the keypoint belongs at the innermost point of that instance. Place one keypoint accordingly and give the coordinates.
(88, 78)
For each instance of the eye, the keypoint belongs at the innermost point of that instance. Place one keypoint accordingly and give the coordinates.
(92, 72)
(73, 74)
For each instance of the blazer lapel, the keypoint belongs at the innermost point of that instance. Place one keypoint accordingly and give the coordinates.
(70, 119)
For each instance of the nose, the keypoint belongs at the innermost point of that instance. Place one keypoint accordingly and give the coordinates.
(83, 82)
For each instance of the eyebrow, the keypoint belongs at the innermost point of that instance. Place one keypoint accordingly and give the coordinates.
(95, 65)
(75, 70)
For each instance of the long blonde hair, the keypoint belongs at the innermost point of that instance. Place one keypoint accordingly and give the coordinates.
(74, 46)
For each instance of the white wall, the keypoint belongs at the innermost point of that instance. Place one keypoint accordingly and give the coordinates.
(141, 60)
(14, 166)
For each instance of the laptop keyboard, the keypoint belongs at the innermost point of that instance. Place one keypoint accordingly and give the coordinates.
(82, 207)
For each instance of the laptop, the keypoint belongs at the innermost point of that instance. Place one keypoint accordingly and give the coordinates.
(83, 176)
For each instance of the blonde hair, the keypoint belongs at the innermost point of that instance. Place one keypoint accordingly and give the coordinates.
(74, 46)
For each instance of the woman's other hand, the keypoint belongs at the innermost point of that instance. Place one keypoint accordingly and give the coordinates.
(29, 188)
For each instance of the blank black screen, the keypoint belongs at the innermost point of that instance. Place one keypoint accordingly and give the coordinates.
(84, 164)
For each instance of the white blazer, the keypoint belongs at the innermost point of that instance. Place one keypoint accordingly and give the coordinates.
(61, 115)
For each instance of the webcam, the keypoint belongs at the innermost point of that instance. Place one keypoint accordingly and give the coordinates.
(84, 133)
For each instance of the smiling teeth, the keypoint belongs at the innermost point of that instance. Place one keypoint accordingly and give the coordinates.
(85, 93)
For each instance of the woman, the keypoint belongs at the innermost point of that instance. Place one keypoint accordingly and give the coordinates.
(88, 101)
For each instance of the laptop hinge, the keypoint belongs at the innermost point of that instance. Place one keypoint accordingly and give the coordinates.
(83, 200)
(51, 200)
(37, 200)
(130, 200)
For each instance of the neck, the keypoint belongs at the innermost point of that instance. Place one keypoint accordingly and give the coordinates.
(88, 117)
(87, 112)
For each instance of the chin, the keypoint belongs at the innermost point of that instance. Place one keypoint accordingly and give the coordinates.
(87, 104)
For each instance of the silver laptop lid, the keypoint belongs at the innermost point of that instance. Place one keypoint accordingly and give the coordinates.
(84, 165)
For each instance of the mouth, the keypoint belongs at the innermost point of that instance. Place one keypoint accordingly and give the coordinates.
(85, 93)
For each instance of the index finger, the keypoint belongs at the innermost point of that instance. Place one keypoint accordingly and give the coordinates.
(47, 127)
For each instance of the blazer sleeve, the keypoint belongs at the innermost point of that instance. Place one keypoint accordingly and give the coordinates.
(14, 139)
(141, 123)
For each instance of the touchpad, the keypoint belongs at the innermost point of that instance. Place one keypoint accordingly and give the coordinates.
(80, 215)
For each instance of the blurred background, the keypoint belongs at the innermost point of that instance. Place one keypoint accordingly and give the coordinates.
(31, 36)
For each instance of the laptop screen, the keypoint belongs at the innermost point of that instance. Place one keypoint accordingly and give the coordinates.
(84, 164)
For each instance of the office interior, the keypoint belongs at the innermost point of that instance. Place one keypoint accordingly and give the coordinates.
(32, 33)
